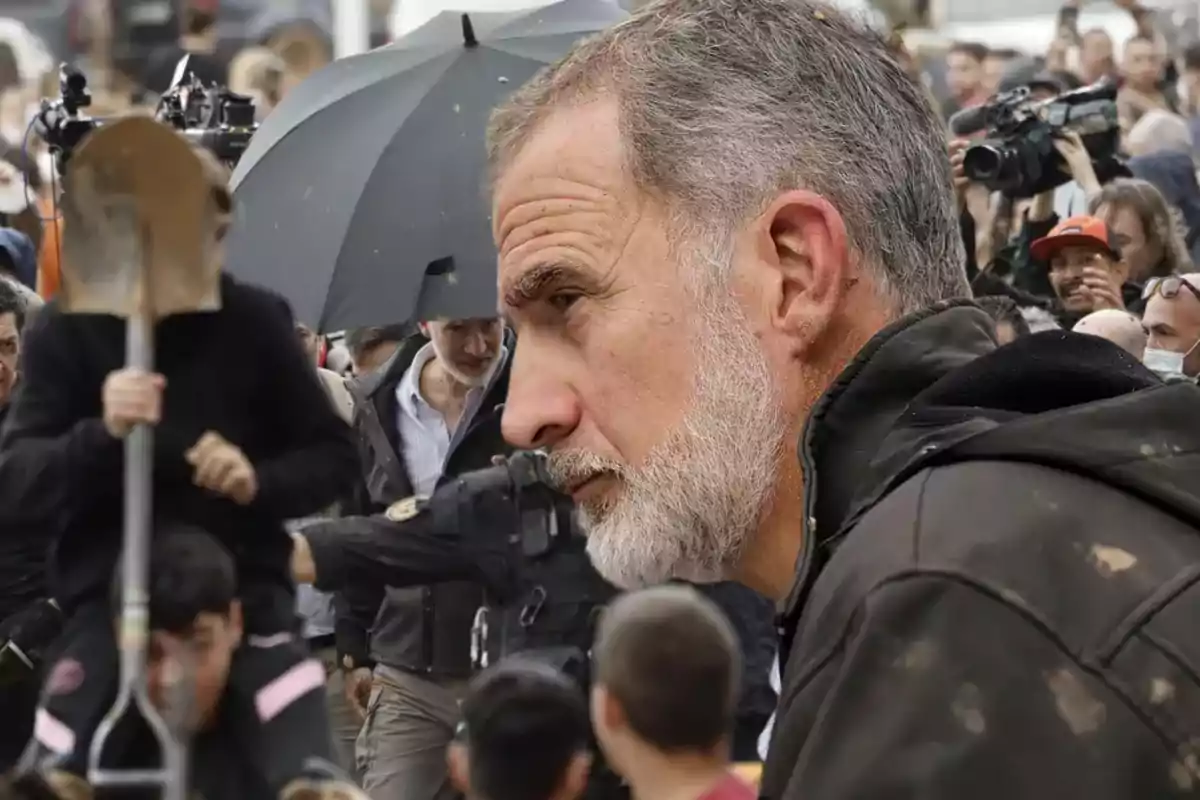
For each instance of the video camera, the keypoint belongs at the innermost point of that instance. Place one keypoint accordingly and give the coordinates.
(212, 117)
(1017, 154)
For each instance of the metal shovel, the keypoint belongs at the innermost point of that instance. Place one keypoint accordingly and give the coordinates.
(139, 222)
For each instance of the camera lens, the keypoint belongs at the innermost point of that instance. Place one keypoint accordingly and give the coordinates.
(982, 163)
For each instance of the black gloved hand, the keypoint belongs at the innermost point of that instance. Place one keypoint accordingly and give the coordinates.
(488, 524)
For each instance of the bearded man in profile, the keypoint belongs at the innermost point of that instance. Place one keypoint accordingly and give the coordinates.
(729, 249)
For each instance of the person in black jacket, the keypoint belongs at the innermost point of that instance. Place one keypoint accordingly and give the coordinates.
(22, 560)
(244, 439)
(745, 340)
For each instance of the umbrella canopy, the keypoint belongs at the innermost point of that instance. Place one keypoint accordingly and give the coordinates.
(361, 198)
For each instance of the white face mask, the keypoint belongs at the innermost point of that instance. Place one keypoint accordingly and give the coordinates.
(1166, 363)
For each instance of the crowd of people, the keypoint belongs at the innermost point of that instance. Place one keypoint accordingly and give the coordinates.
(907, 462)
(1116, 243)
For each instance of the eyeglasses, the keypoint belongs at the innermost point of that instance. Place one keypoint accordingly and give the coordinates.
(1169, 287)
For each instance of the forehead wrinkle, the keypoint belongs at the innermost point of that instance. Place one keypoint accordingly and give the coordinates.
(593, 252)
(532, 216)
(541, 196)
(588, 234)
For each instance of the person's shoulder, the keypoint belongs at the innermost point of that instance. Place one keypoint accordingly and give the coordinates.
(1026, 536)
(1041, 522)
(247, 299)
(51, 322)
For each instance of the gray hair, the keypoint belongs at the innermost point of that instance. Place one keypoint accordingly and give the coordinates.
(726, 103)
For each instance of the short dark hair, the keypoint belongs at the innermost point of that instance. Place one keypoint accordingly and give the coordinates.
(671, 659)
(198, 21)
(191, 573)
(523, 722)
(1005, 310)
(11, 302)
(975, 50)
(1191, 56)
(359, 340)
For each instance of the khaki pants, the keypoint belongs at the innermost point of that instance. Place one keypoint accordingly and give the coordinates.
(343, 719)
(402, 745)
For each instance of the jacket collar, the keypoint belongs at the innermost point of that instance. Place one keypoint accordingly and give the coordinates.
(388, 375)
(850, 421)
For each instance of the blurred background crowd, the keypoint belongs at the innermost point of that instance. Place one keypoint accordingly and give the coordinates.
(964, 51)
(1109, 252)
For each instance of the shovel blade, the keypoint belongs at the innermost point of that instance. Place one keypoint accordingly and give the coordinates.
(139, 225)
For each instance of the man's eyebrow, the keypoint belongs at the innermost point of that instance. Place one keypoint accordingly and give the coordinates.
(536, 282)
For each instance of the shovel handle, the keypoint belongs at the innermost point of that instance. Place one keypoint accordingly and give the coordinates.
(133, 694)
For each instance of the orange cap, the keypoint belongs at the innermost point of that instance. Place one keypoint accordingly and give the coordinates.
(1081, 231)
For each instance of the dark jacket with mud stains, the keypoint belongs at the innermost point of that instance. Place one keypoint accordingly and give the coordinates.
(999, 591)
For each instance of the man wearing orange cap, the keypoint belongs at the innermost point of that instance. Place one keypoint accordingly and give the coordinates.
(1086, 269)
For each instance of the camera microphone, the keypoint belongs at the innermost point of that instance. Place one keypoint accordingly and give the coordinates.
(969, 121)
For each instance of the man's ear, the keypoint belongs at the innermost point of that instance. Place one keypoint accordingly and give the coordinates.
(803, 256)
(576, 777)
(607, 710)
(458, 767)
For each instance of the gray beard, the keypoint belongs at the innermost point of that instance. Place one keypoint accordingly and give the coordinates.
(689, 511)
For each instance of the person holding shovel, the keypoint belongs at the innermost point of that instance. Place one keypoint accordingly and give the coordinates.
(240, 445)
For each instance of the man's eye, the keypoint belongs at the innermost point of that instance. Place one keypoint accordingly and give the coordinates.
(562, 301)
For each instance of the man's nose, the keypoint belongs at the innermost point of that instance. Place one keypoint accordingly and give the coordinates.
(476, 345)
(540, 411)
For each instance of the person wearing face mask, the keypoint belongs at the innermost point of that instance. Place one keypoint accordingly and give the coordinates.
(1172, 320)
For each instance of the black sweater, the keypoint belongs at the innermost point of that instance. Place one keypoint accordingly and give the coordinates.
(239, 371)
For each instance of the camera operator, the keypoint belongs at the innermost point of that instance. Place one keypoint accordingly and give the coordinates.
(1034, 273)
(198, 43)
(1042, 151)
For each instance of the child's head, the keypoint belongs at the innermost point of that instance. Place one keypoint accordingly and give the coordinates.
(195, 620)
(667, 673)
(524, 736)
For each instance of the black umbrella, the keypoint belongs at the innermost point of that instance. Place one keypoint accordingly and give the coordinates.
(361, 198)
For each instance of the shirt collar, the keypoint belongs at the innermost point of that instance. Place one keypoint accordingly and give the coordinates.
(408, 391)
